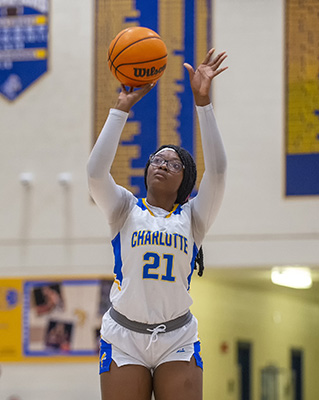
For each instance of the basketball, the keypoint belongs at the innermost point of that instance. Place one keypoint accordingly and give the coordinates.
(137, 56)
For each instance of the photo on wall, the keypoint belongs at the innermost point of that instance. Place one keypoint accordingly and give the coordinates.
(63, 317)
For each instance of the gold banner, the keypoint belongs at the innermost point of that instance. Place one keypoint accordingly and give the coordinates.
(52, 319)
(302, 52)
(11, 303)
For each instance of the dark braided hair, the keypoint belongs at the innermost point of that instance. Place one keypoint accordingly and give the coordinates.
(185, 189)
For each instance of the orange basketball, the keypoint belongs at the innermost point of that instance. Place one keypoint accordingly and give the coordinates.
(137, 56)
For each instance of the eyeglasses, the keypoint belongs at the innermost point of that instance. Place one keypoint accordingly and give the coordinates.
(174, 166)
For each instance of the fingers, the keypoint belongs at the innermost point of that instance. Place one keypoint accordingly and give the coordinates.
(188, 67)
(143, 90)
(139, 90)
(219, 71)
(208, 56)
(146, 88)
(190, 70)
(129, 96)
(216, 62)
(126, 90)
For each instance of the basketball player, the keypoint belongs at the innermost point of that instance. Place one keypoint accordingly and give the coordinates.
(149, 339)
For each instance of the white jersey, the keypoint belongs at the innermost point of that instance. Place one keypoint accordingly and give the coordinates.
(154, 262)
(154, 250)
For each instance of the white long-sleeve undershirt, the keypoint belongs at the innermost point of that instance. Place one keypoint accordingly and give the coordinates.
(115, 201)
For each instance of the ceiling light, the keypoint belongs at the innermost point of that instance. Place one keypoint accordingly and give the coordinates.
(293, 277)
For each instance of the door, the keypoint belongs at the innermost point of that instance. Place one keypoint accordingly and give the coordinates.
(297, 366)
(244, 362)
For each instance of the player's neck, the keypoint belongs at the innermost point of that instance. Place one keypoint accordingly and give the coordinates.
(161, 201)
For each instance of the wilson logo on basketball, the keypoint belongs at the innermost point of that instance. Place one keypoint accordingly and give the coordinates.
(141, 72)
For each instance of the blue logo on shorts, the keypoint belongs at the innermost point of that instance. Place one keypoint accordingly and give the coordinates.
(182, 350)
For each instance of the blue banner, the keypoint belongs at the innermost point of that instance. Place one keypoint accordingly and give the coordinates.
(23, 44)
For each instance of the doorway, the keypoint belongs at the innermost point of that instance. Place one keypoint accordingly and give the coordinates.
(296, 359)
(244, 350)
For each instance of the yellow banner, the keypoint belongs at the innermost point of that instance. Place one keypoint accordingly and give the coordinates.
(52, 319)
(11, 298)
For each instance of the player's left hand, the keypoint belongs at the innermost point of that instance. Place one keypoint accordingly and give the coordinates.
(201, 78)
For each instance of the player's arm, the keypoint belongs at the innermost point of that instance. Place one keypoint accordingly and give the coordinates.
(208, 200)
(104, 191)
(210, 194)
(109, 196)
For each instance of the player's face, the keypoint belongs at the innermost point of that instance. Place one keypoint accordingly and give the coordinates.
(165, 172)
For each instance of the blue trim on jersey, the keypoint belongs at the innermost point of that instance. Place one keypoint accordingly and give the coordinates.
(197, 356)
(105, 356)
(178, 210)
(116, 243)
(141, 204)
(189, 278)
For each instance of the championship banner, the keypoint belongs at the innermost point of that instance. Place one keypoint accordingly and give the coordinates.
(23, 44)
(51, 319)
(302, 98)
(167, 114)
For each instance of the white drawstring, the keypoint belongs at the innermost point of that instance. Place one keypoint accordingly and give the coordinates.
(154, 336)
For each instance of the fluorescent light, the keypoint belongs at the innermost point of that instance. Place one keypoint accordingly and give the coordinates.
(293, 277)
